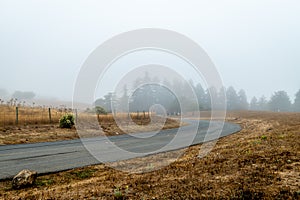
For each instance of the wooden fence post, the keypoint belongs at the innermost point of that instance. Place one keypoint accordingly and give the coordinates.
(17, 115)
(76, 116)
(49, 112)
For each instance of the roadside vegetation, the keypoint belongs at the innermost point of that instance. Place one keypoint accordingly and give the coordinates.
(260, 162)
(34, 124)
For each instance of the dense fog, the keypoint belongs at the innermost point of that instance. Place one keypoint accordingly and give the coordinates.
(177, 97)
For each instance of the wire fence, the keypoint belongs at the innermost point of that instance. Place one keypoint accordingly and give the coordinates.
(11, 115)
(18, 115)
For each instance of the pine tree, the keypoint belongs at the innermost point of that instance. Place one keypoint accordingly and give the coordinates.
(262, 103)
(242, 103)
(232, 98)
(254, 104)
(280, 102)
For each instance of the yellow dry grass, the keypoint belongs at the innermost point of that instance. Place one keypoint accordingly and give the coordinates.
(27, 115)
(259, 162)
(35, 126)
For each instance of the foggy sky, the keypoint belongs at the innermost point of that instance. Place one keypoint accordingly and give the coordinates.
(254, 44)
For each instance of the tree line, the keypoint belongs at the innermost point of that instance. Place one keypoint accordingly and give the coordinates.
(16, 98)
(182, 96)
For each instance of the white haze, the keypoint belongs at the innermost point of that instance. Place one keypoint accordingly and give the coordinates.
(254, 43)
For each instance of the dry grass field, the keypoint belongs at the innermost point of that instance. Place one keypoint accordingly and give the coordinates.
(123, 123)
(260, 162)
(28, 115)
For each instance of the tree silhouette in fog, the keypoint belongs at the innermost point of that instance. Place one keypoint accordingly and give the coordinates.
(242, 103)
(280, 102)
(232, 98)
(23, 95)
(254, 104)
(263, 103)
(184, 96)
(107, 102)
(296, 105)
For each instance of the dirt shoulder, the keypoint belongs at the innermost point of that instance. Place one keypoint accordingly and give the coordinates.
(260, 162)
(51, 132)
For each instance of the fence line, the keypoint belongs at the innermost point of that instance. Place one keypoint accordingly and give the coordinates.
(19, 115)
(22, 115)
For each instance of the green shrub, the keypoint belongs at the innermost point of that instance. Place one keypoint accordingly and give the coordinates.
(83, 174)
(66, 121)
(118, 194)
(263, 137)
(43, 182)
(100, 111)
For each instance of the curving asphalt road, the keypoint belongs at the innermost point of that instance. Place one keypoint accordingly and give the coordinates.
(62, 155)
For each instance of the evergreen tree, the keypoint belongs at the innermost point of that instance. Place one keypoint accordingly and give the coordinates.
(232, 98)
(221, 104)
(242, 101)
(200, 93)
(262, 103)
(109, 102)
(280, 102)
(207, 100)
(211, 94)
(254, 104)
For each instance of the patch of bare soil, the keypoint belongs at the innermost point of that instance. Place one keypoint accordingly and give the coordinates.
(35, 133)
(52, 132)
(260, 162)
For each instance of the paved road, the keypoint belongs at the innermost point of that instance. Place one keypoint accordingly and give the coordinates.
(56, 156)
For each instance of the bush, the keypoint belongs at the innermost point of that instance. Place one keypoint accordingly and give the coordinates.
(100, 111)
(66, 121)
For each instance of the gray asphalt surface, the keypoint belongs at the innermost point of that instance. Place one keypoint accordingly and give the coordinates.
(62, 155)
